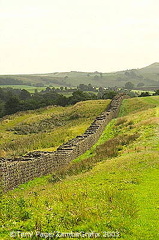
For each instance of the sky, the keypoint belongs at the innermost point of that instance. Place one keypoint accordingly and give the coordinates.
(44, 36)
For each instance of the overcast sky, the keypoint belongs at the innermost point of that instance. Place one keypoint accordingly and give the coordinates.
(39, 36)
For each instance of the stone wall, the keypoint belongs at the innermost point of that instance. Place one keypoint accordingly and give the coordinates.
(35, 164)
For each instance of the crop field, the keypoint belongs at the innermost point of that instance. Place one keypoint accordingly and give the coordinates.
(46, 128)
(114, 186)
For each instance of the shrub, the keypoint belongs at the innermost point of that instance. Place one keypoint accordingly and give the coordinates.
(120, 121)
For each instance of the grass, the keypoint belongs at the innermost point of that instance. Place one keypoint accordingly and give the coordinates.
(138, 104)
(46, 128)
(117, 193)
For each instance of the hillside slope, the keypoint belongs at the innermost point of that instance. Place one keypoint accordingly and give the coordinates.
(119, 192)
(149, 76)
(46, 128)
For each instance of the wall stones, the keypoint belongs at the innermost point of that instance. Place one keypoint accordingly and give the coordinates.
(35, 164)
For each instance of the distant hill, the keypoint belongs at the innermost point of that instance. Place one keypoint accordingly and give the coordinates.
(153, 68)
(148, 76)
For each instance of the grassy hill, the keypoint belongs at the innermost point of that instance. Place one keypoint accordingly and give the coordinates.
(46, 128)
(148, 75)
(119, 191)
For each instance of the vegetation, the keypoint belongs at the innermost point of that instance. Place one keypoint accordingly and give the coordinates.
(148, 76)
(156, 92)
(46, 128)
(129, 85)
(118, 193)
(144, 94)
(8, 81)
(138, 104)
(14, 100)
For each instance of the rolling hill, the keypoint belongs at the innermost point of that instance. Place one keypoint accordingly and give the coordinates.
(149, 76)
(118, 193)
(46, 128)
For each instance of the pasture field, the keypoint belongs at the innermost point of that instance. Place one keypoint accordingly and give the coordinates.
(32, 89)
(46, 128)
(118, 192)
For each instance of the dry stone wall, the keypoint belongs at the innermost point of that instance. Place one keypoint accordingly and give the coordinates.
(35, 164)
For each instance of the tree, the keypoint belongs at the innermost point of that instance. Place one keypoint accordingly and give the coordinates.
(82, 87)
(129, 85)
(1, 108)
(90, 87)
(12, 105)
(101, 89)
(2, 94)
(48, 89)
(78, 96)
(144, 94)
(24, 94)
(140, 84)
(109, 94)
(62, 100)
(156, 92)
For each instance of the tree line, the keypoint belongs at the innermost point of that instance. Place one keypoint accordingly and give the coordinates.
(14, 100)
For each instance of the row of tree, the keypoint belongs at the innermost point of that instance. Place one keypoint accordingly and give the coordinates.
(12, 101)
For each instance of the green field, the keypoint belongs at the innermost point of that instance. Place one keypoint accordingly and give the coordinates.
(140, 91)
(46, 128)
(30, 89)
(119, 191)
